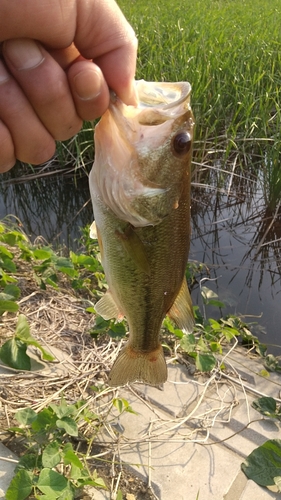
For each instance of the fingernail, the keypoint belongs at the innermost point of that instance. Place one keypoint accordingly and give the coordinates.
(88, 84)
(23, 53)
(4, 75)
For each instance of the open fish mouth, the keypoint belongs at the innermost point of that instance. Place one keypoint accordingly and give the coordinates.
(157, 103)
(164, 95)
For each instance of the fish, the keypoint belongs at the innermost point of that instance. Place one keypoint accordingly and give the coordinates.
(140, 190)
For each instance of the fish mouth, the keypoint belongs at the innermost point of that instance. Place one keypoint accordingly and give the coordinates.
(158, 102)
(163, 95)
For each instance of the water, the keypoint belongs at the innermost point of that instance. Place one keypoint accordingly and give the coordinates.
(244, 257)
(232, 233)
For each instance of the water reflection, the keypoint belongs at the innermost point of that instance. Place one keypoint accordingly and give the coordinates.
(233, 233)
(53, 206)
(239, 238)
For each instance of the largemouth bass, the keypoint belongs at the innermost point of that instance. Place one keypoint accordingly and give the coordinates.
(140, 189)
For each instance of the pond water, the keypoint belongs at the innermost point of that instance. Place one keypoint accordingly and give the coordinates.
(232, 233)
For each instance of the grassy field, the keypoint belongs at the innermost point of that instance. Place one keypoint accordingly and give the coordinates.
(230, 51)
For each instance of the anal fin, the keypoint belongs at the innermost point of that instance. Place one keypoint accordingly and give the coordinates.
(181, 311)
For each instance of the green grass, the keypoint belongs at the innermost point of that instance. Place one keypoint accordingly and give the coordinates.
(229, 51)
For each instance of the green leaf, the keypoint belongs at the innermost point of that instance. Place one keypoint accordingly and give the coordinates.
(202, 346)
(264, 463)
(267, 406)
(63, 409)
(277, 481)
(64, 262)
(9, 306)
(45, 419)
(51, 483)
(272, 363)
(68, 493)
(210, 297)
(4, 251)
(13, 354)
(28, 462)
(6, 278)
(118, 403)
(12, 290)
(261, 350)
(20, 487)
(76, 473)
(205, 362)
(51, 455)
(69, 425)
(23, 333)
(86, 261)
(119, 495)
(68, 271)
(70, 457)
(90, 310)
(8, 264)
(117, 330)
(26, 416)
(188, 342)
(42, 254)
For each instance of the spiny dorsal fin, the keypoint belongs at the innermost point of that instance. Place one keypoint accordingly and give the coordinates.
(181, 311)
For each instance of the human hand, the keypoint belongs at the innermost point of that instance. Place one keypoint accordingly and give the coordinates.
(59, 59)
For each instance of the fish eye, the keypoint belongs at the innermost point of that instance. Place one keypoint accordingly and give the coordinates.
(182, 143)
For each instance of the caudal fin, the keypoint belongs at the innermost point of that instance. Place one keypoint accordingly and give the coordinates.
(131, 366)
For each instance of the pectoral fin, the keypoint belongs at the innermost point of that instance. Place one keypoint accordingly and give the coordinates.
(93, 231)
(107, 307)
(134, 247)
(181, 311)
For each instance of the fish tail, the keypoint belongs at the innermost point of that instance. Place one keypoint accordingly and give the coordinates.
(131, 366)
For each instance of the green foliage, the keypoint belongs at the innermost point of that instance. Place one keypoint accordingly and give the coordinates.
(13, 351)
(115, 329)
(205, 344)
(263, 465)
(122, 406)
(267, 406)
(50, 464)
(82, 271)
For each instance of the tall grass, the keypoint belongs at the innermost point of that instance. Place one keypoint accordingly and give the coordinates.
(230, 52)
